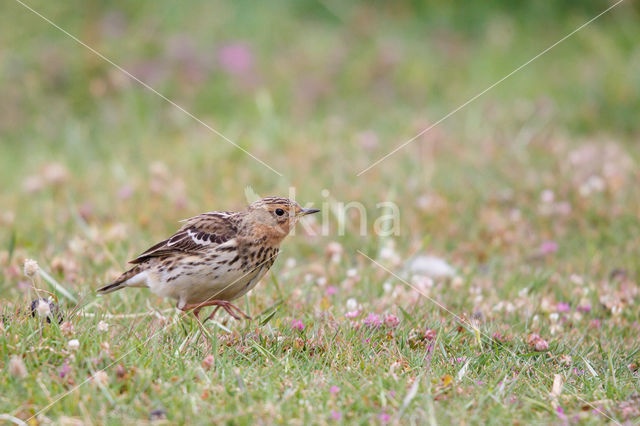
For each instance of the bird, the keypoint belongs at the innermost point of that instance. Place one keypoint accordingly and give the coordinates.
(215, 257)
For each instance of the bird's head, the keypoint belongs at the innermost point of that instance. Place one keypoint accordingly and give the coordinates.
(274, 217)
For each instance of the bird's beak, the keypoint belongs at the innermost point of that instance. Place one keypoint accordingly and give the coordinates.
(305, 212)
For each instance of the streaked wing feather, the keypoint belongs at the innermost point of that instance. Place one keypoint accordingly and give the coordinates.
(198, 233)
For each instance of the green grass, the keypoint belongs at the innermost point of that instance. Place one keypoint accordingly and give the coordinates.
(333, 87)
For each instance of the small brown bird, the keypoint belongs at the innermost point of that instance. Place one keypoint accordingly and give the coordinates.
(215, 257)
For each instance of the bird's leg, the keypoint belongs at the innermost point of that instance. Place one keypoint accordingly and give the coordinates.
(231, 305)
(212, 314)
(227, 306)
(196, 313)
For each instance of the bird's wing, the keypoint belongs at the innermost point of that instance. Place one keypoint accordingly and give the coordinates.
(198, 233)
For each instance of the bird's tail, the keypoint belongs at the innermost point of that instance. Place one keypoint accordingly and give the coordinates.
(124, 280)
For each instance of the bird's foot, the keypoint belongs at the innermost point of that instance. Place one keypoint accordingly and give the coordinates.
(229, 307)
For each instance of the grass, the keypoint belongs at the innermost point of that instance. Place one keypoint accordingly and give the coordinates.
(530, 193)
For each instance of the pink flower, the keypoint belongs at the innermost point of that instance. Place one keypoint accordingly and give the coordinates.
(336, 415)
(541, 345)
(537, 342)
(586, 308)
(125, 192)
(548, 247)
(208, 361)
(563, 307)
(331, 290)
(430, 334)
(235, 58)
(64, 370)
(373, 320)
(334, 390)
(296, 324)
(560, 412)
(352, 314)
(391, 321)
(384, 417)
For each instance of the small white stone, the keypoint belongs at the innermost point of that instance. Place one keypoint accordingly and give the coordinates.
(431, 266)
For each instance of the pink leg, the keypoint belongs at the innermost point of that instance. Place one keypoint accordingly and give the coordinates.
(227, 306)
(212, 314)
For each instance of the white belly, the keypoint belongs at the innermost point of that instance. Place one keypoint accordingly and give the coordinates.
(205, 285)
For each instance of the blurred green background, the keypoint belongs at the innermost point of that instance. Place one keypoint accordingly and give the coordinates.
(318, 91)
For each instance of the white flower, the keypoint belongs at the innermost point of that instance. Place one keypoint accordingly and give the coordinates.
(387, 253)
(30, 268)
(387, 287)
(334, 250)
(100, 378)
(74, 344)
(422, 282)
(55, 173)
(103, 326)
(596, 183)
(510, 307)
(290, 263)
(17, 367)
(576, 279)
(334, 247)
(553, 317)
(547, 196)
(43, 308)
(352, 272)
(352, 304)
(321, 281)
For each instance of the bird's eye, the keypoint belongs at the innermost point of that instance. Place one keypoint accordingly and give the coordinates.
(279, 212)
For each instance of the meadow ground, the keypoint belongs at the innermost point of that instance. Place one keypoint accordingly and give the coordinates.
(530, 193)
